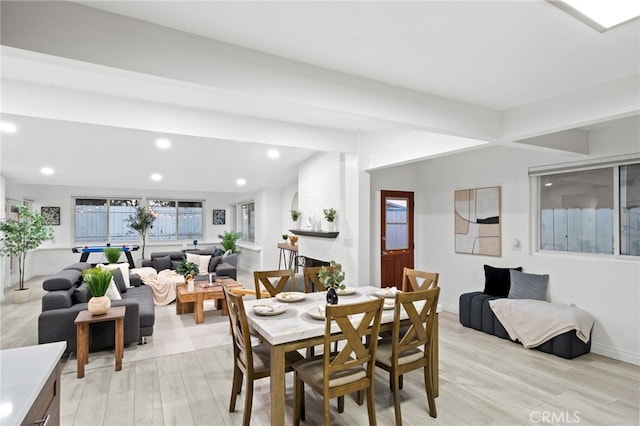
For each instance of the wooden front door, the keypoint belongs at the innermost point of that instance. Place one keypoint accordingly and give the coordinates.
(397, 236)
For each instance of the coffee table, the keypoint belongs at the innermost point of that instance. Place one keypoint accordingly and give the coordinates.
(187, 303)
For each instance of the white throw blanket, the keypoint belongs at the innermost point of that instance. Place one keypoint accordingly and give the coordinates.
(163, 283)
(533, 322)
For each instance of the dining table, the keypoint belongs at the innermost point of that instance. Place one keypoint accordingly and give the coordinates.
(294, 321)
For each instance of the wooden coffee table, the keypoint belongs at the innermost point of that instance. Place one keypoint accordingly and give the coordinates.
(187, 303)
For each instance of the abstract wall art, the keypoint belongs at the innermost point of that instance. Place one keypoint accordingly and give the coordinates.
(477, 221)
(51, 215)
(219, 217)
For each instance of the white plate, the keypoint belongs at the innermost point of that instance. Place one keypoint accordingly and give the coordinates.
(317, 312)
(268, 309)
(346, 292)
(290, 296)
(386, 293)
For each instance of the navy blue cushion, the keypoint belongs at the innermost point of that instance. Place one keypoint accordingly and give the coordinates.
(498, 280)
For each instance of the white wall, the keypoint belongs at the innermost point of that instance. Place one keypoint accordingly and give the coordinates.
(607, 288)
(4, 261)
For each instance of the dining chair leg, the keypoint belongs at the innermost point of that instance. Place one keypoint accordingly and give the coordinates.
(326, 412)
(396, 400)
(248, 402)
(298, 397)
(400, 382)
(371, 408)
(341, 404)
(360, 397)
(428, 384)
(235, 388)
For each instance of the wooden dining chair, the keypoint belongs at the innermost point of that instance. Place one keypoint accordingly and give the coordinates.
(410, 350)
(413, 280)
(311, 281)
(250, 362)
(347, 371)
(273, 281)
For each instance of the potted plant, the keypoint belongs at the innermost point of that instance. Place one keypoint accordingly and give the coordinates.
(228, 240)
(285, 237)
(98, 280)
(295, 215)
(331, 278)
(330, 216)
(141, 222)
(189, 270)
(112, 254)
(18, 237)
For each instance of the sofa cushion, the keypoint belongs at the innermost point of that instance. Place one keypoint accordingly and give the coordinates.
(497, 280)
(79, 266)
(81, 294)
(63, 280)
(119, 280)
(123, 267)
(201, 260)
(112, 291)
(528, 286)
(161, 263)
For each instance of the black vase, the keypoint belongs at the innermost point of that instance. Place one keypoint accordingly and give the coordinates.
(332, 296)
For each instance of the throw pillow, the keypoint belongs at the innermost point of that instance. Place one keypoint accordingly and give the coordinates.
(528, 286)
(112, 291)
(227, 253)
(124, 268)
(81, 294)
(119, 280)
(201, 261)
(497, 280)
(161, 263)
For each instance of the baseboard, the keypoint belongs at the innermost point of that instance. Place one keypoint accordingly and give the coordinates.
(611, 352)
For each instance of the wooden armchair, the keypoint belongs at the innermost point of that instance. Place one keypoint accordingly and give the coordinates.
(413, 280)
(273, 281)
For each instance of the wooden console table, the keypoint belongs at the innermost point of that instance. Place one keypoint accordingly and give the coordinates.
(82, 322)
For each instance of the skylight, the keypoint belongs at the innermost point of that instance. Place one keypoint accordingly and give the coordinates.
(599, 14)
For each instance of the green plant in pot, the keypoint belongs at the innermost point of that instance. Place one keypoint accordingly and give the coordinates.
(98, 281)
(18, 238)
(112, 254)
(295, 214)
(330, 217)
(331, 278)
(141, 221)
(187, 269)
(285, 237)
(228, 240)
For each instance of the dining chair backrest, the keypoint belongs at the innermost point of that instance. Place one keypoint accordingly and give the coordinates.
(422, 320)
(413, 280)
(354, 352)
(311, 280)
(273, 281)
(239, 328)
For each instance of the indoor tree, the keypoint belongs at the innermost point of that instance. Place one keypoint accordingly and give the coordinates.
(141, 221)
(21, 235)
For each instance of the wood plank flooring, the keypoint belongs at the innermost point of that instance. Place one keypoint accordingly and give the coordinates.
(484, 380)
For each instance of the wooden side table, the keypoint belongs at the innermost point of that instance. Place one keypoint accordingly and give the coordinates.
(82, 322)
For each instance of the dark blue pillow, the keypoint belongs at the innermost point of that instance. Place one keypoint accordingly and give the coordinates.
(81, 294)
(119, 280)
(498, 280)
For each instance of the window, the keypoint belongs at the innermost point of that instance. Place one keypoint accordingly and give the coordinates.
(104, 219)
(247, 220)
(397, 233)
(176, 220)
(591, 210)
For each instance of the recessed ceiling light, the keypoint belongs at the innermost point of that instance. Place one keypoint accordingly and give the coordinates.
(273, 153)
(601, 15)
(241, 182)
(7, 127)
(163, 143)
(548, 184)
(156, 176)
(46, 171)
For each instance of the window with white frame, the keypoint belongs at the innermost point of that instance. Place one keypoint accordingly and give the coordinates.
(104, 219)
(592, 208)
(247, 220)
(176, 220)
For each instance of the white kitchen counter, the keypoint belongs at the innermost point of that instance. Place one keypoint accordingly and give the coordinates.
(23, 373)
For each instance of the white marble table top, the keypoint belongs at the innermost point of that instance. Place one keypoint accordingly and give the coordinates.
(296, 324)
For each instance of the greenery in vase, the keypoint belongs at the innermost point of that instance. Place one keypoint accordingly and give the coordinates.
(188, 269)
(332, 277)
(98, 280)
(228, 240)
(112, 254)
(330, 214)
(20, 236)
(295, 214)
(141, 222)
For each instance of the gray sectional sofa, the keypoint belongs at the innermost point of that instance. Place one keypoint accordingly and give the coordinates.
(219, 264)
(67, 295)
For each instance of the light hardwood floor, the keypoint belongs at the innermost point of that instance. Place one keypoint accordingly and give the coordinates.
(484, 380)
